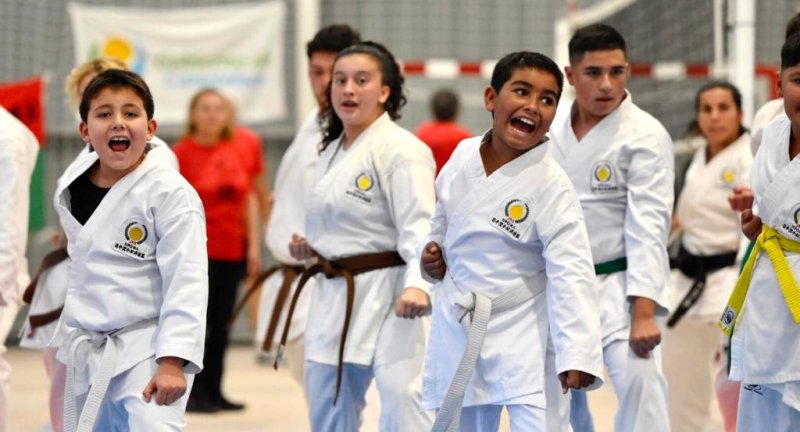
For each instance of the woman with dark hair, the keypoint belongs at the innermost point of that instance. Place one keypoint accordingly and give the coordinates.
(222, 169)
(370, 208)
(706, 270)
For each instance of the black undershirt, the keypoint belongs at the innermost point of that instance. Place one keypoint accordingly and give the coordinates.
(85, 196)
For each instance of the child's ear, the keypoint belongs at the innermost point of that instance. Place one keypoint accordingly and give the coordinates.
(568, 74)
(84, 129)
(152, 125)
(489, 96)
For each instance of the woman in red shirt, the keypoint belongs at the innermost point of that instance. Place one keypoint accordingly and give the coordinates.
(221, 168)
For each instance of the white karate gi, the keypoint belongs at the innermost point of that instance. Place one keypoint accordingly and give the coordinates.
(377, 196)
(765, 349)
(709, 227)
(764, 116)
(622, 170)
(141, 256)
(18, 150)
(497, 233)
(293, 182)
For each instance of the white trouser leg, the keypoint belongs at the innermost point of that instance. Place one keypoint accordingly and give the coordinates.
(528, 418)
(320, 383)
(399, 357)
(480, 418)
(557, 414)
(371, 416)
(761, 408)
(640, 386)
(124, 407)
(7, 315)
(295, 358)
(580, 417)
(689, 367)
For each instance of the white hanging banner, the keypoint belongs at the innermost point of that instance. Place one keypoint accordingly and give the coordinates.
(237, 49)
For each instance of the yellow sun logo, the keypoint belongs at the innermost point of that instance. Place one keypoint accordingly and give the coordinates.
(119, 48)
(135, 233)
(517, 210)
(364, 182)
(602, 172)
(728, 176)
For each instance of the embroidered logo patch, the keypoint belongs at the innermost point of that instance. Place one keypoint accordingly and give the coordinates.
(363, 184)
(604, 177)
(515, 213)
(136, 235)
(728, 176)
(793, 226)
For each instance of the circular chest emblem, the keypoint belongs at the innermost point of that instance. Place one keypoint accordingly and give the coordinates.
(136, 233)
(602, 172)
(364, 182)
(517, 210)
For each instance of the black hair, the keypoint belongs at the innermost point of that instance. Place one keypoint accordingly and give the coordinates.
(391, 76)
(117, 79)
(444, 105)
(332, 38)
(735, 93)
(595, 37)
(725, 85)
(790, 52)
(793, 26)
(525, 59)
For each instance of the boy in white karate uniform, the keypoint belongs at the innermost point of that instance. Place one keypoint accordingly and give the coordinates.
(508, 243)
(764, 310)
(620, 160)
(137, 291)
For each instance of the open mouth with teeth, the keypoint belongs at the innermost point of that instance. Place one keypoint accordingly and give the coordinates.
(523, 124)
(349, 104)
(119, 144)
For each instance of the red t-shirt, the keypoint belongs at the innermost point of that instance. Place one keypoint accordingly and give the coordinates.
(442, 138)
(223, 175)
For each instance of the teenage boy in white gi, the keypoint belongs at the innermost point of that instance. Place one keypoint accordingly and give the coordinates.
(765, 319)
(137, 289)
(620, 160)
(18, 150)
(509, 245)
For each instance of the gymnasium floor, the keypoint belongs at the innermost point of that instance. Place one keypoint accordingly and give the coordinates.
(274, 402)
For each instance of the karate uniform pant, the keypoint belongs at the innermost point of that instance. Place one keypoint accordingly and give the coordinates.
(399, 387)
(640, 387)
(7, 315)
(57, 372)
(761, 408)
(690, 364)
(124, 408)
(486, 418)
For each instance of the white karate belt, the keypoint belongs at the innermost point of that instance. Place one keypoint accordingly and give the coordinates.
(480, 309)
(73, 422)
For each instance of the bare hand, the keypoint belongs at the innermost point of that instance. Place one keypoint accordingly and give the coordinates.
(169, 383)
(645, 334)
(433, 261)
(413, 303)
(751, 225)
(741, 199)
(575, 379)
(300, 249)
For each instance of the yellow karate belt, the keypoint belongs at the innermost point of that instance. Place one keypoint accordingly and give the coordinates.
(774, 243)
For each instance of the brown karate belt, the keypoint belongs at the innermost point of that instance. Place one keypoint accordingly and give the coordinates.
(49, 261)
(290, 273)
(347, 268)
